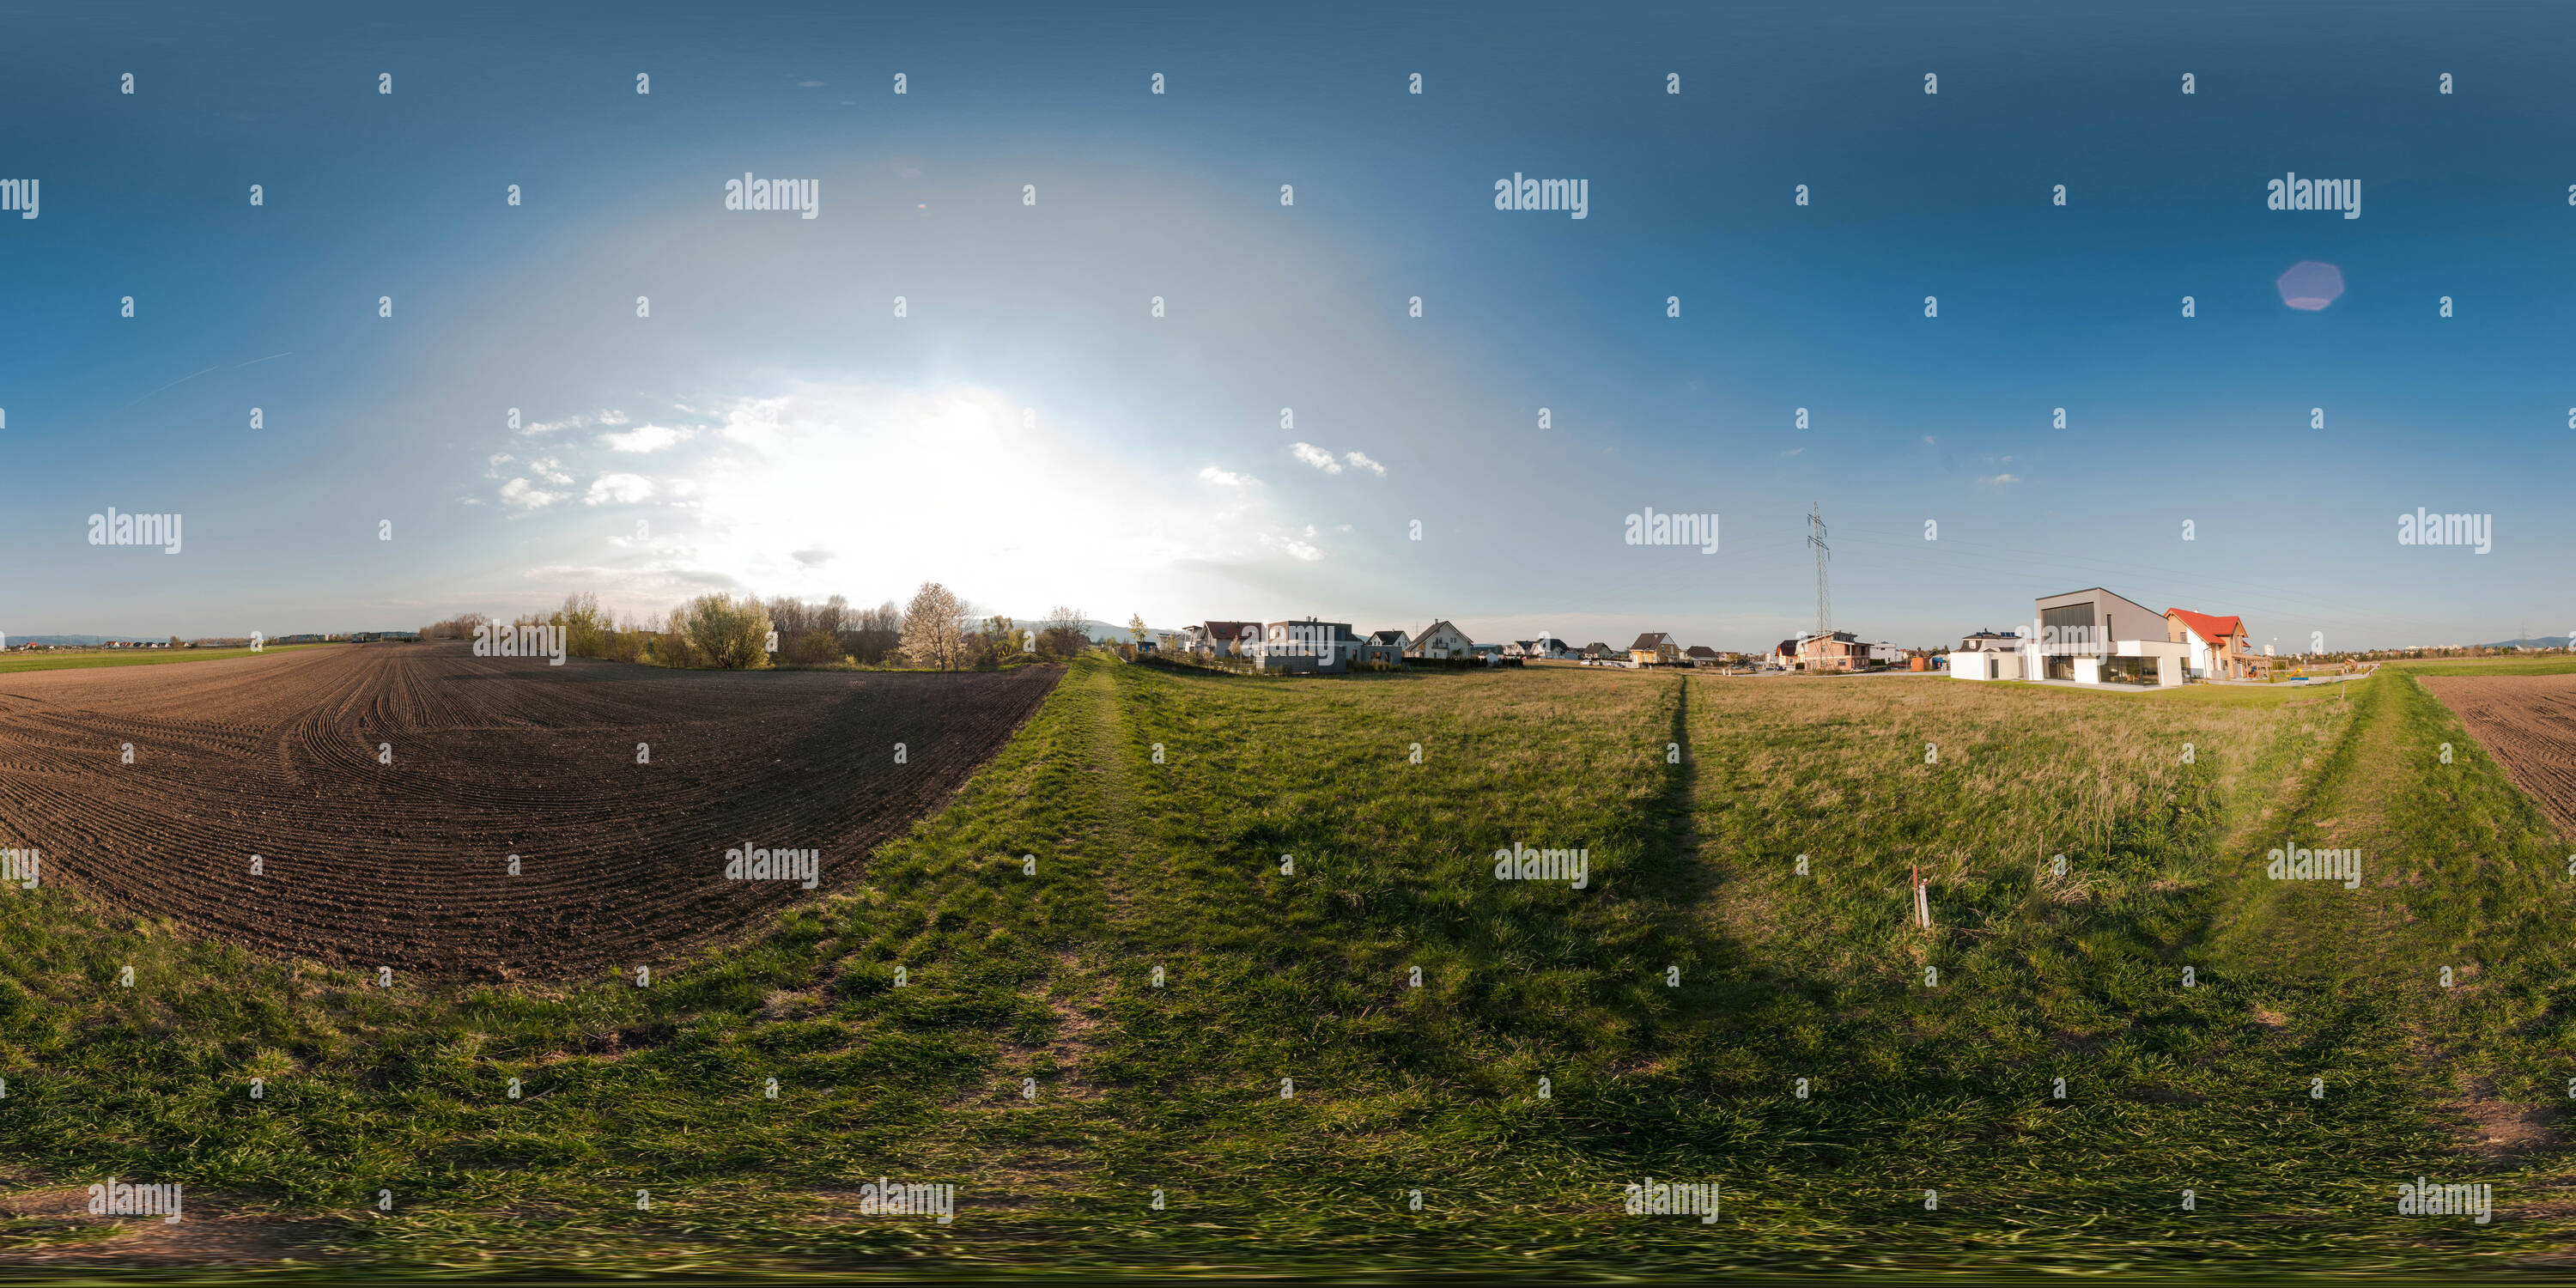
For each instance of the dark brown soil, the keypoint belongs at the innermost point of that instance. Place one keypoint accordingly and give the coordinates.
(404, 865)
(2528, 723)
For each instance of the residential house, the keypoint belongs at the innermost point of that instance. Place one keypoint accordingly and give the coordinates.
(1440, 640)
(1654, 648)
(1987, 655)
(1306, 647)
(1701, 655)
(1545, 647)
(2087, 636)
(1597, 651)
(2095, 637)
(1840, 651)
(2080, 637)
(1384, 648)
(2219, 648)
(1223, 639)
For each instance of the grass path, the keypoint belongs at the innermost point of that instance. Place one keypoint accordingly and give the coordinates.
(2446, 976)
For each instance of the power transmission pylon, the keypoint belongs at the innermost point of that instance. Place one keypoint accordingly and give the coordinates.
(1824, 594)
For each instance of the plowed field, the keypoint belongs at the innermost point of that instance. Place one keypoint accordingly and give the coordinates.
(405, 864)
(2527, 722)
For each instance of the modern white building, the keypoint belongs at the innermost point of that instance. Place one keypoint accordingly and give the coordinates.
(2080, 637)
(1988, 655)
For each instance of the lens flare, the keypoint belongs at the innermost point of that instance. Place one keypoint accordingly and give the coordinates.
(2310, 286)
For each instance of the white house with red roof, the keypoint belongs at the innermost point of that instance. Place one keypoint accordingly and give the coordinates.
(2219, 648)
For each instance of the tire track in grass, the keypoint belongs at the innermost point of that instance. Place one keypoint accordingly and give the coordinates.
(2486, 900)
(2451, 880)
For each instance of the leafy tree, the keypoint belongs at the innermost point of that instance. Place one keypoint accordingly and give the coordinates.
(585, 626)
(731, 636)
(1001, 640)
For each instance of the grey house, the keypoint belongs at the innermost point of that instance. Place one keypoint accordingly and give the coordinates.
(1307, 647)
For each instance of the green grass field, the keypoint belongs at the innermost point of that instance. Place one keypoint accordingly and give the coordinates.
(62, 661)
(1284, 856)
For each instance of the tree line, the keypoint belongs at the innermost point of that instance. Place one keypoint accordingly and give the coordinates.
(937, 630)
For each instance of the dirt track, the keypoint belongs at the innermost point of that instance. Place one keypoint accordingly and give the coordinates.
(403, 864)
(2528, 723)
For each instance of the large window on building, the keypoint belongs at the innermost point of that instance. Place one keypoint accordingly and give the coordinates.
(2072, 626)
(2131, 670)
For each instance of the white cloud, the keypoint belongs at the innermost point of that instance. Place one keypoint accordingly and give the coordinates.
(551, 470)
(623, 488)
(1310, 454)
(518, 492)
(1997, 480)
(1296, 548)
(643, 438)
(1223, 478)
(1360, 461)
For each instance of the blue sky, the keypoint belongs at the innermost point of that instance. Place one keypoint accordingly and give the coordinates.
(1031, 435)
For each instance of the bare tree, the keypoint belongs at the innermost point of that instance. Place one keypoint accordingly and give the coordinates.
(459, 627)
(1066, 634)
(871, 634)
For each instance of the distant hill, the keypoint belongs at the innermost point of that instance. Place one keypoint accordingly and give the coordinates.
(1099, 631)
(2545, 641)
